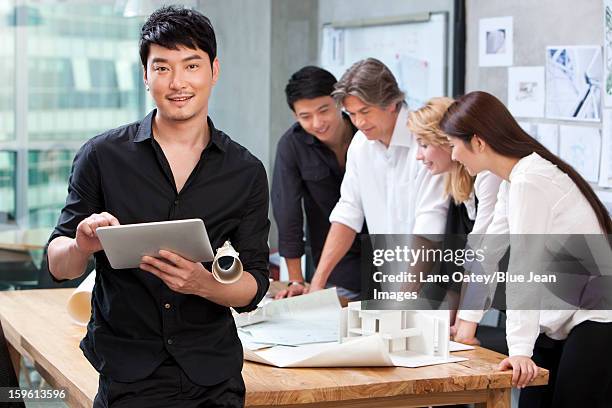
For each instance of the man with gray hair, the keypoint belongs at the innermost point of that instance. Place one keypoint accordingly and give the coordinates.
(384, 183)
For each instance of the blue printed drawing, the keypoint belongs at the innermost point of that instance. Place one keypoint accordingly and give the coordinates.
(573, 82)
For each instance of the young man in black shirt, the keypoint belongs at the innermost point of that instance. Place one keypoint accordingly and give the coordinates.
(162, 335)
(309, 167)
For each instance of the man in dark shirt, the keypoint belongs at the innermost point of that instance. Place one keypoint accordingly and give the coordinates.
(309, 167)
(163, 335)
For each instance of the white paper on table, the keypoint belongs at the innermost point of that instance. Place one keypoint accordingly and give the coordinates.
(454, 346)
(411, 359)
(311, 318)
(548, 135)
(79, 303)
(526, 96)
(580, 146)
(367, 351)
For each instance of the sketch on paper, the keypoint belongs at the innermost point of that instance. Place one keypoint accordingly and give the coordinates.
(605, 172)
(607, 53)
(573, 82)
(332, 53)
(580, 147)
(526, 94)
(495, 42)
(526, 126)
(548, 135)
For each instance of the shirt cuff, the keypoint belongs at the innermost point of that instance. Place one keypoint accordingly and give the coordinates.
(346, 215)
(474, 316)
(520, 350)
(290, 250)
(426, 223)
(263, 283)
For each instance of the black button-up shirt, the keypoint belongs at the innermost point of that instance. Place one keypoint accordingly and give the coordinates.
(137, 321)
(306, 169)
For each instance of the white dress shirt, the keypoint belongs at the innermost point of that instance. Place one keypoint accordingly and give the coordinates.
(388, 187)
(541, 199)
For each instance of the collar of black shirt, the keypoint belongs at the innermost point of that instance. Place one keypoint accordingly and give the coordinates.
(145, 131)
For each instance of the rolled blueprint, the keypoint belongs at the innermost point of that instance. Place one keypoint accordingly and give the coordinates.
(79, 303)
(227, 267)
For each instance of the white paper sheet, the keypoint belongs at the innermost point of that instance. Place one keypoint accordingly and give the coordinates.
(495, 43)
(366, 351)
(605, 172)
(548, 135)
(311, 318)
(573, 82)
(607, 41)
(580, 146)
(526, 94)
(454, 346)
(79, 303)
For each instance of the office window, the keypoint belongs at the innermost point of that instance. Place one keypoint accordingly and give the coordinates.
(48, 172)
(7, 187)
(70, 73)
(7, 67)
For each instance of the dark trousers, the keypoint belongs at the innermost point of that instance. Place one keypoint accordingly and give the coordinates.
(580, 369)
(169, 387)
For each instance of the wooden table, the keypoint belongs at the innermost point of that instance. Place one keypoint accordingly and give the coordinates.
(36, 324)
(24, 239)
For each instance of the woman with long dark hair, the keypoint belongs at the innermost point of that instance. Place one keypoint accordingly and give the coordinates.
(540, 194)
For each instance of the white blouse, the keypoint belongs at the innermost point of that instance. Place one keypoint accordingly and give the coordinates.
(486, 187)
(541, 199)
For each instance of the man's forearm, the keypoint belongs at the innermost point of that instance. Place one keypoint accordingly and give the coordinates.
(339, 240)
(65, 260)
(237, 294)
(294, 268)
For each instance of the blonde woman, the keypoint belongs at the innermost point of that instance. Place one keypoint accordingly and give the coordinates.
(474, 198)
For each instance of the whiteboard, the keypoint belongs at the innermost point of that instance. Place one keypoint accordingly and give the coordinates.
(415, 52)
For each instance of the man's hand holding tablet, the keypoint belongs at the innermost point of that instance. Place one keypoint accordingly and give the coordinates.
(86, 237)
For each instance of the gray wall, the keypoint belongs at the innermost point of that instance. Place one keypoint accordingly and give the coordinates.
(260, 44)
(537, 24)
(240, 103)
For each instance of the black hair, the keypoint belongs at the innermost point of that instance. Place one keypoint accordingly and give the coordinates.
(171, 26)
(308, 83)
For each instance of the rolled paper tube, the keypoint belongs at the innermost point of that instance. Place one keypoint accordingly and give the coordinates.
(79, 303)
(227, 267)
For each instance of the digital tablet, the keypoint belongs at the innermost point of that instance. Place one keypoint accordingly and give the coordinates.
(125, 245)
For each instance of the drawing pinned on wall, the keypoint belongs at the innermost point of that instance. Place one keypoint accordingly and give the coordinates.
(580, 146)
(548, 135)
(526, 94)
(332, 47)
(605, 179)
(526, 126)
(573, 82)
(607, 53)
(495, 42)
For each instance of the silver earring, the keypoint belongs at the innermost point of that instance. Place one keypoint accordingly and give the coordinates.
(147, 88)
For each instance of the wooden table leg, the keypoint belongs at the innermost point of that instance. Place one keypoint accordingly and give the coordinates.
(15, 359)
(496, 398)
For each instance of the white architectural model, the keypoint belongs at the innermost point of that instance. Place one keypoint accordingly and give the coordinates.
(405, 333)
